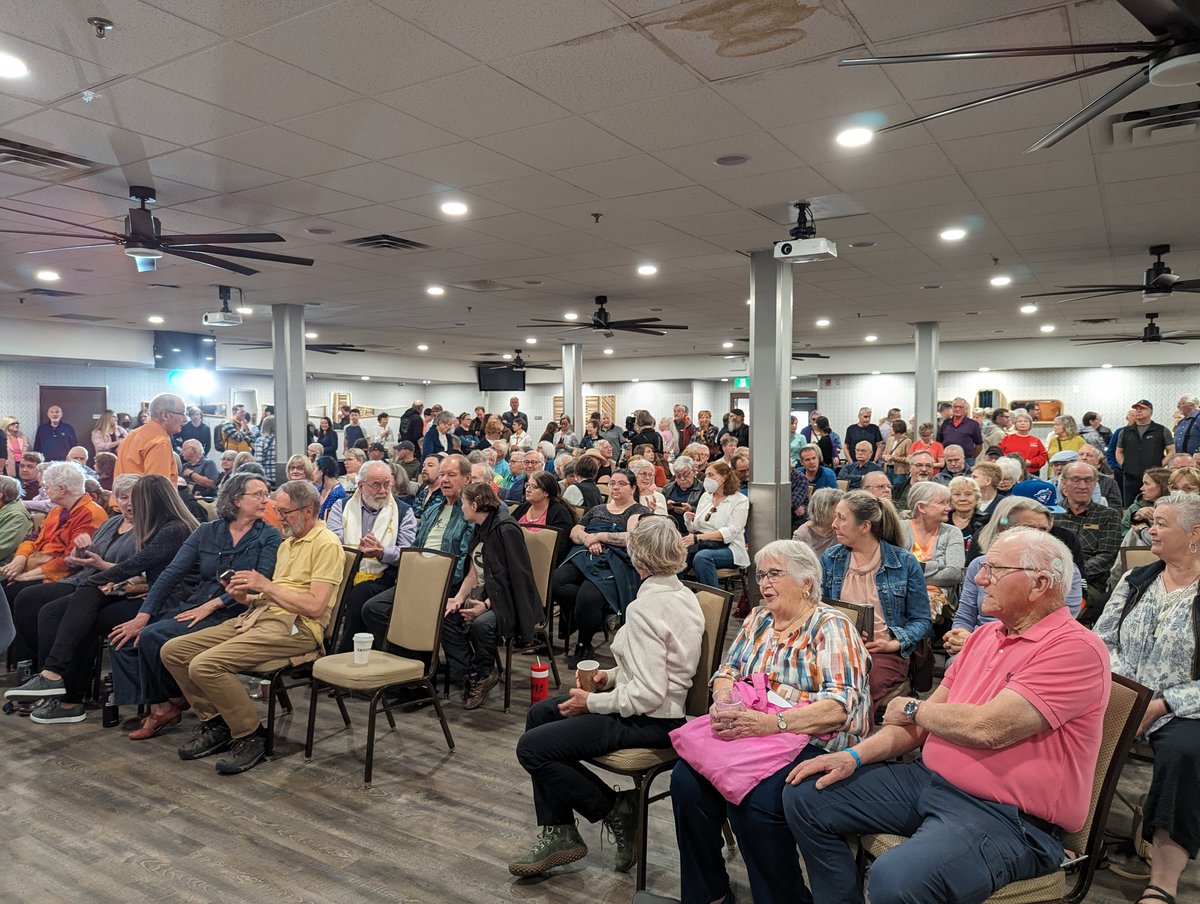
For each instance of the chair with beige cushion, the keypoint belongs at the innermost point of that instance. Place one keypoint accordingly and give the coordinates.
(422, 587)
(861, 614)
(541, 543)
(1136, 557)
(1126, 706)
(644, 764)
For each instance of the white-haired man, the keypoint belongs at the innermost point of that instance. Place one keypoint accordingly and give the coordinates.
(199, 473)
(1009, 742)
(1187, 431)
(148, 449)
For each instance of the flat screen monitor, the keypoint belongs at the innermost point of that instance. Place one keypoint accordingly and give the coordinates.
(184, 351)
(500, 379)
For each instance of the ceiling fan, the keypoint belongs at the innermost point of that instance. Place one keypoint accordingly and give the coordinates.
(600, 322)
(517, 364)
(144, 242)
(325, 348)
(1158, 282)
(796, 356)
(1151, 332)
(1171, 60)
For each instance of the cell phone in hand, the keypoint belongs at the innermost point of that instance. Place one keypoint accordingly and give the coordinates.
(226, 576)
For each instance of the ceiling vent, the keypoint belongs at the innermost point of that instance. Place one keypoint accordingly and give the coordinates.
(1095, 321)
(51, 293)
(1157, 126)
(84, 318)
(385, 242)
(482, 285)
(43, 164)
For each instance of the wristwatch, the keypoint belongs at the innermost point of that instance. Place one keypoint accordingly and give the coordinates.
(910, 710)
(779, 721)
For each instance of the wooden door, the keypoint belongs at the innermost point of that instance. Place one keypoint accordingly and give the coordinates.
(81, 407)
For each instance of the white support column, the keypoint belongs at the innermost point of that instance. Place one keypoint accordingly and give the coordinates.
(770, 392)
(287, 337)
(926, 342)
(572, 365)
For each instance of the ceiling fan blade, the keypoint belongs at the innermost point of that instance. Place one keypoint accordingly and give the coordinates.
(141, 224)
(1017, 92)
(71, 247)
(251, 253)
(246, 345)
(1114, 96)
(542, 367)
(42, 216)
(221, 238)
(1003, 52)
(146, 264)
(1181, 20)
(1103, 341)
(637, 329)
(1089, 297)
(60, 235)
(1163, 281)
(1080, 290)
(207, 259)
(544, 320)
(800, 355)
(1172, 342)
(1186, 284)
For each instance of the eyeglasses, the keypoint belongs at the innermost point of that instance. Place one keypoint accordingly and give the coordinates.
(176, 413)
(378, 485)
(287, 513)
(988, 570)
(770, 576)
(1080, 479)
(261, 494)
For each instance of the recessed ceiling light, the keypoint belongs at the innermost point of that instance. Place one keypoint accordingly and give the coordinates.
(319, 230)
(724, 379)
(731, 160)
(506, 357)
(422, 347)
(156, 318)
(608, 351)
(932, 286)
(12, 67)
(208, 357)
(159, 357)
(176, 350)
(435, 290)
(876, 373)
(823, 322)
(953, 234)
(1001, 281)
(364, 378)
(208, 339)
(426, 382)
(984, 370)
(570, 315)
(794, 376)
(747, 301)
(310, 335)
(1029, 309)
(245, 310)
(854, 137)
(1106, 366)
(870, 338)
(647, 270)
(636, 380)
(531, 340)
(454, 208)
(726, 345)
(1047, 327)
(862, 244)
(48, 275)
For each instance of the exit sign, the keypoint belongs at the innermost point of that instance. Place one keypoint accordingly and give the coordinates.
(741, 382)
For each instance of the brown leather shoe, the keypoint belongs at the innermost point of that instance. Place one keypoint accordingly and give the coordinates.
(153, 725)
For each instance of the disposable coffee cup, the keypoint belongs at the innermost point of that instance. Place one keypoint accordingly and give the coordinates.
(362, 647)
(586, 671)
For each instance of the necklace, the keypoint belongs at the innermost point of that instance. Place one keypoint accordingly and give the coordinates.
(783, 630)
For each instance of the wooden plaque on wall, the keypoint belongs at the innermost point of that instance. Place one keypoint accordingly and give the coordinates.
(605, 404)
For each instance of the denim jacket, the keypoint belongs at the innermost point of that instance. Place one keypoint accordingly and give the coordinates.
(901, 585)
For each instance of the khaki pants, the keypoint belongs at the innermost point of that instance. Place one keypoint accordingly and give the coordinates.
(206, 665)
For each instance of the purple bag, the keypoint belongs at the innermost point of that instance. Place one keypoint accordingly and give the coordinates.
(735, 767)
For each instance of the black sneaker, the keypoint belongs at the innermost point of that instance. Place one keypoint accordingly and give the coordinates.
(244, 754)
(36, 688)
(581, 653)
(52, 712)
(207, 738)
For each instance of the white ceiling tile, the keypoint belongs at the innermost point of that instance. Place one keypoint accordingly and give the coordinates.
(237, 208)
(483, 29)
(909, 17)
(150, 110)
(234, 76)
(784, 186)
(1086, 198)
(53, 75)
(357, 44)
(634, 235)
(381, 218)
(216, 173)
(235, 17)
(628, 176)
(502, 251)
(430, 205)
(519, 226)
(461, 164)
(816, 142)
(601, 70)
(567, 242)
(560, 144)
(13, 108)
(86, 205)
(669, 122)
(913, 195)
(721, 223)
(721, 40)
(677, 202)
(534, 192)
(116, 182)
(376, 182)
(1133, 165)
(85, 138)
(474, 103)
(302, 197)
(369, 128)
(642, 7)
(1032, 177)
(1007, 148)
(1046, 105)
(886, 168)
(281, 151)
(767, 155)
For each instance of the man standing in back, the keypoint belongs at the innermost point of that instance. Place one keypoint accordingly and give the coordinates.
(1187, 431)
(864, 431)
(514, 411)
(148, 449)
(959, 429)
(1142, 445)
(55, 438)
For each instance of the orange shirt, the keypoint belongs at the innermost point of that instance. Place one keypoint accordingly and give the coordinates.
(147, 450)
(58, 534)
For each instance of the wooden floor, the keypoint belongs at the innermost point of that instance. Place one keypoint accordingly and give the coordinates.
(89, 816)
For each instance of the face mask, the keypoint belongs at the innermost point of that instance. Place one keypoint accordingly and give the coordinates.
(710, 485)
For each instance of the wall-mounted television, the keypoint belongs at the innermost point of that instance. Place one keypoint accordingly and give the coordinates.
(184, 351)
(500, 379)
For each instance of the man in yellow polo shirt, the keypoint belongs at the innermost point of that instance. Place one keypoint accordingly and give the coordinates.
(147, 450)
(285, 619)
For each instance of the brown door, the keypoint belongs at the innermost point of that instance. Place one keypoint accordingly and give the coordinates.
(81, 406)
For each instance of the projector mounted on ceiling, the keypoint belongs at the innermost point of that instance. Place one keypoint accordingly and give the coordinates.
(805, 245)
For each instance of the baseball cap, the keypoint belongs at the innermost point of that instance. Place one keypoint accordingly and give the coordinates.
(994, 452)
(1040, 491)
(1143, 403)
(1066, 455)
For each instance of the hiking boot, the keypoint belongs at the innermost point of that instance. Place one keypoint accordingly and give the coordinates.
(244, 753)
(581, 653)
(207, 738)
(52, 712)
(556, 846)
(468, 682)
(36, 688)
(621, 822)
(480, 688)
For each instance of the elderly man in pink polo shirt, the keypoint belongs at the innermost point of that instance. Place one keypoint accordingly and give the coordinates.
(1009, 742)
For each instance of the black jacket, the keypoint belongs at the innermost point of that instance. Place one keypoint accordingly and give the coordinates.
(647, 435)
(508, 576)
(591, 494)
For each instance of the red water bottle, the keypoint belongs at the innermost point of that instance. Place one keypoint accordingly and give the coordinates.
(539, 682)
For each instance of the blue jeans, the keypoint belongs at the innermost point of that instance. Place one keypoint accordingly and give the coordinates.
(706, 563)
(758, 822)
(139, 675)
(960, 848)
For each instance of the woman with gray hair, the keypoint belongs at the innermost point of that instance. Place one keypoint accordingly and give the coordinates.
(817, 532)
(816, 663)
(236, 540)
(635, 704)
(1149, 628)
(937, 545)
(15, 522)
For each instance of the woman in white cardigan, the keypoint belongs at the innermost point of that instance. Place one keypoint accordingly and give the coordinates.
(938, 546)
(717, 530)
(636, 704)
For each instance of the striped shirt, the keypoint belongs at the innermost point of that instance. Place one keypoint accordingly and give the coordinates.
(824, 659)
